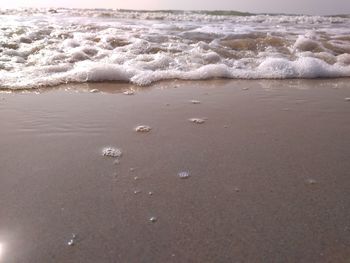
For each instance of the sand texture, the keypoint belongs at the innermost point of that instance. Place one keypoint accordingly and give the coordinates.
(264, 178)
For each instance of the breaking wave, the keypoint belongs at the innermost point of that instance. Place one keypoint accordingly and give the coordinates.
(46, 47)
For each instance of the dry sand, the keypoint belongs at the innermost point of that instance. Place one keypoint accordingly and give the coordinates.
(269, 173)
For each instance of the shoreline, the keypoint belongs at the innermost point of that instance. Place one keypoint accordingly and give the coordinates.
(121, 86)
(268, 172)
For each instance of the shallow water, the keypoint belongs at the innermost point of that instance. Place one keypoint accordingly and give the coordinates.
(41, 47)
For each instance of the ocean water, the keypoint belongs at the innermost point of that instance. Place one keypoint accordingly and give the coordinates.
(43, 47)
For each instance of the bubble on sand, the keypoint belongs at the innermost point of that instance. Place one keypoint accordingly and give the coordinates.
(137, 192)
(237, 189)
(71, 242)
(136, 178)
(347, 99)
(143, 128)
(184, 174)
(195, 101)
(94, 91)
(129, 92)
(153, 219)
(112, 152)
(150, 193)
(197, 120)
(311, 181)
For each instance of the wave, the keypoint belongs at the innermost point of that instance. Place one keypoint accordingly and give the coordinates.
(174, 15)
(72, 46)
(271, 68)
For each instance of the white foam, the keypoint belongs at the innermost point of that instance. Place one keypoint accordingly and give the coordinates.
(112, 152)
(143, 128)
(153, 219)
(93, 71)
(311, 181)
(129, 92)
(183, 174)
(197, 120)
(40, 48)
(72, 241)
(71, 43)
(344, 59)
(303, 67)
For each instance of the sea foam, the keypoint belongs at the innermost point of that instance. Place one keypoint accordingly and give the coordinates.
(111, 152)
(41, 48)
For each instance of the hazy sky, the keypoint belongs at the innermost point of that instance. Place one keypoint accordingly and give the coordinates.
(279, 6)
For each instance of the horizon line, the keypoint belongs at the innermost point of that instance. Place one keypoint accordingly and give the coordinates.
(246, 13)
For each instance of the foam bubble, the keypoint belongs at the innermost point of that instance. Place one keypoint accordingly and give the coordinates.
(112, 152)
(72, 241)
(197, 120)
(311, 181)
(153, 219)
(184, 174)
(143, 128)
(129, 92)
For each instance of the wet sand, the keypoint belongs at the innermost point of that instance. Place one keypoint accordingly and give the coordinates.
(269, 173)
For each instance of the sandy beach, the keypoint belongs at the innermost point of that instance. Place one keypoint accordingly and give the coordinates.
(268, 172)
